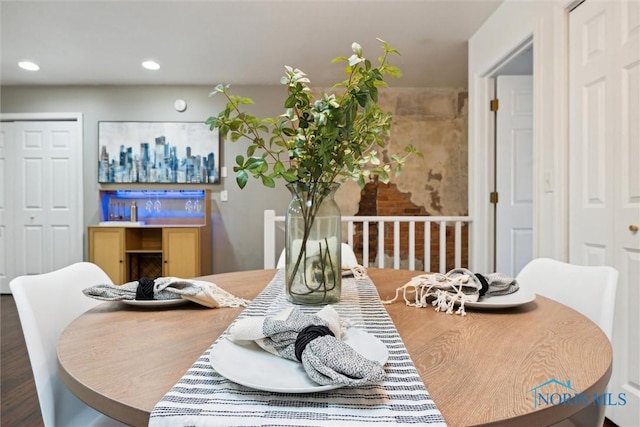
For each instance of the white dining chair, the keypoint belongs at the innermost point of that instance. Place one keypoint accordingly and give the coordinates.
(591, 291)
(46, 304)
(348, 257)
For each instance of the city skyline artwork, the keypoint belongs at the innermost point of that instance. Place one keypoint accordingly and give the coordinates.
(158, 152)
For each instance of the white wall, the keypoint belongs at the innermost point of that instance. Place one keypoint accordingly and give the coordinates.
(237, 224)
(433, 119)
(508, 27)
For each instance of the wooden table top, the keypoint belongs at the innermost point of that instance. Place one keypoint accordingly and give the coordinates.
(479, 368)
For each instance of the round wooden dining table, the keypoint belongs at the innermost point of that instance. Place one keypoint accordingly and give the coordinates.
(482, 368)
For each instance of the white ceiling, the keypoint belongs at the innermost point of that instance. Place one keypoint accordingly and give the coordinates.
(237, 42)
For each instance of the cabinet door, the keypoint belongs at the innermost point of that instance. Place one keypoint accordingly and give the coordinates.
(181, 252)
(106, 249)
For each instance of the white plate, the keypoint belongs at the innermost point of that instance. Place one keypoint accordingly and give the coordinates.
(519, 297)
(155, 302)
(256, 368)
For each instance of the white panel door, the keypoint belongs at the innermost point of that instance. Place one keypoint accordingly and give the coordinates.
(604, 172)
(47, 214)
(626, 367)
(514, 173)
(6, 211)
(592, 124)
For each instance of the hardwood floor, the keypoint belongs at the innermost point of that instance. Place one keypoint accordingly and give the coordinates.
(19, 401)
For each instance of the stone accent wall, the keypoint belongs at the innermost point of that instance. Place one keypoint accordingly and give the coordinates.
(434, 121)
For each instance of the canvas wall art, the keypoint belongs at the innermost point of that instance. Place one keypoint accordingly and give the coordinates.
(158, 152)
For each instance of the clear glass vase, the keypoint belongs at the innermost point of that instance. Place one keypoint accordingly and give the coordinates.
(313, 245)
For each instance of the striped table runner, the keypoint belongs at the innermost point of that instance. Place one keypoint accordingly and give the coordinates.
(203, 397)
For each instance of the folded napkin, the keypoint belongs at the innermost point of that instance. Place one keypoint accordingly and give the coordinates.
(164, 288)
(315, 341)
(357, 271)
(458, 286)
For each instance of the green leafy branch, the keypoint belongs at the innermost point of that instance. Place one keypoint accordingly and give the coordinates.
(317, 141)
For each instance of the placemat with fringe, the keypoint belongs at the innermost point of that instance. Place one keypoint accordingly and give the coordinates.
(203, 397)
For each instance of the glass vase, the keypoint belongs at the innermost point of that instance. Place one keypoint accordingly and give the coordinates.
(313, 267)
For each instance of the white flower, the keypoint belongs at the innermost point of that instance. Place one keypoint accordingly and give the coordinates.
(356, 48)
(294, 76)
(299, 76)
(354, 59)
(289, 114)
(331, 100)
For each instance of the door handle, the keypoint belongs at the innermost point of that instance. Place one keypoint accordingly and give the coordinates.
(634, 228)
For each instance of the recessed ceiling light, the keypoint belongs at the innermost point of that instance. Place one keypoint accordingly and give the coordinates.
(151, 65)
(28, 65)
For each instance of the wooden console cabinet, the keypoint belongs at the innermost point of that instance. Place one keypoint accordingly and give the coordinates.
(172, 241)
(128, 253)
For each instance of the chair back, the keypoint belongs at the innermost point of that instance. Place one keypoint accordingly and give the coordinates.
(590, 290)
(348, 257)
(46, 304)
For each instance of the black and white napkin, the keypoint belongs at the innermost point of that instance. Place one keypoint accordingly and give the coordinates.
(456, 287)
(315, 340)
(167, 288)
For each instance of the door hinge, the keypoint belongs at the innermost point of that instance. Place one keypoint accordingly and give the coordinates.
(493, 197)
(493, 105)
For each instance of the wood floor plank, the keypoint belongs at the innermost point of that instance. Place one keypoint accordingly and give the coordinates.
(18, 397)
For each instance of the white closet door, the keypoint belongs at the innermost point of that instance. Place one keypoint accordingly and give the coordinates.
(604, 173)
(7, 267)
(592, 120)
(43, 192)
(626, 365)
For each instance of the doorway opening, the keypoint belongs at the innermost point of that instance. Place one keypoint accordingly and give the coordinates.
(512, 160)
